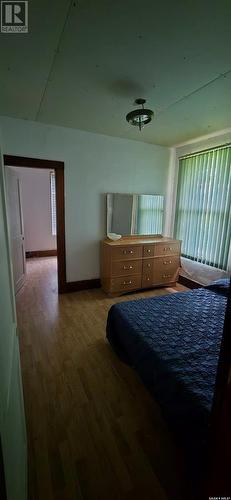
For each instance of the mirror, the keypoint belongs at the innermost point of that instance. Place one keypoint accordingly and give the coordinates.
(134, 214)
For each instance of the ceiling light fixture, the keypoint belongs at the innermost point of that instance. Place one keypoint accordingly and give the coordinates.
(140, 117)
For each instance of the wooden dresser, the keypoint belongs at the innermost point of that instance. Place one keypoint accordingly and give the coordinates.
(137, 262)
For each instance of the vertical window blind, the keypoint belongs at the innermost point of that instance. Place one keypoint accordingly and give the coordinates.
(203, 207)
(150, 214)
(53, 203)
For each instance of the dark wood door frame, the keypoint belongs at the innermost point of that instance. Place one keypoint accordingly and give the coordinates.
(58, 167)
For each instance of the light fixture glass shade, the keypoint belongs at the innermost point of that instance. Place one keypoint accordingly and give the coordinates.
(140, 117)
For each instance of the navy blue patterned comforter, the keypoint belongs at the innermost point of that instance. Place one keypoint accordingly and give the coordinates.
(173, 342)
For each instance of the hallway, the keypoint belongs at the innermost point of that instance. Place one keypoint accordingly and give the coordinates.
(93, 430)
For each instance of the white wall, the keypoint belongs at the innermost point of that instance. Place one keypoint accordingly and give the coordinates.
(35, 184)
(94, 165)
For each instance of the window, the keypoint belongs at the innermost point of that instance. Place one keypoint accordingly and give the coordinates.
(53, 203)
(150, 214)
(203, 208)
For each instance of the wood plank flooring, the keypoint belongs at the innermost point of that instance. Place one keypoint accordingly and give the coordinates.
(94, 432)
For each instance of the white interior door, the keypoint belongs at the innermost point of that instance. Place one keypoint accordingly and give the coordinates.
(12, 418)
(15, 215)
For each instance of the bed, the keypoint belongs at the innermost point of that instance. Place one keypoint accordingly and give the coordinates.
(173, 342)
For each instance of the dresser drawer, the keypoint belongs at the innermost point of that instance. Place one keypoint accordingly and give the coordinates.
(148, 250)
(126, 283)
(123, 268)
(148, 266)
(147, 279)
(147, 273)
(166, 264)
(167, 248)
(161, 276)
(128, 252)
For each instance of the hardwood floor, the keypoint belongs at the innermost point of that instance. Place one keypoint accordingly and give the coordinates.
(94, 432)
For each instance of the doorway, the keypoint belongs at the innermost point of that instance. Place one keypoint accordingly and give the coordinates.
(58, 222)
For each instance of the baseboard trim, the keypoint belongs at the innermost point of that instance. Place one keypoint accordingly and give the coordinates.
(76, 286)
(41, 253)
(189, 283)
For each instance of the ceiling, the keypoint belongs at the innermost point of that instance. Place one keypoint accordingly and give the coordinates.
(83, 63)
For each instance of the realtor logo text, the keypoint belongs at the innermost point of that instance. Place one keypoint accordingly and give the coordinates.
(14, 17)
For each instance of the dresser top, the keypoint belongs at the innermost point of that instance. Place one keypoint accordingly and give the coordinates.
(138, 240)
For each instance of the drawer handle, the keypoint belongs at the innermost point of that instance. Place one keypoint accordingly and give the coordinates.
(127, 251)
(147, 278)
(166, 275)
(127, 282)
(127, 267)
(148, 250)
(167, 262)
(148, 265)
(167, 248)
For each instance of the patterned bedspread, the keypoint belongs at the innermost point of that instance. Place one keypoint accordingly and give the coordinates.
(173, 342)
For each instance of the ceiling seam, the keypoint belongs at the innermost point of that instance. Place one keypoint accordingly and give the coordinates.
(56, 52)
(222, 75)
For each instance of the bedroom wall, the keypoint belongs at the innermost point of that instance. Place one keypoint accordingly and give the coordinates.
(94, 165)
(35, 187)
